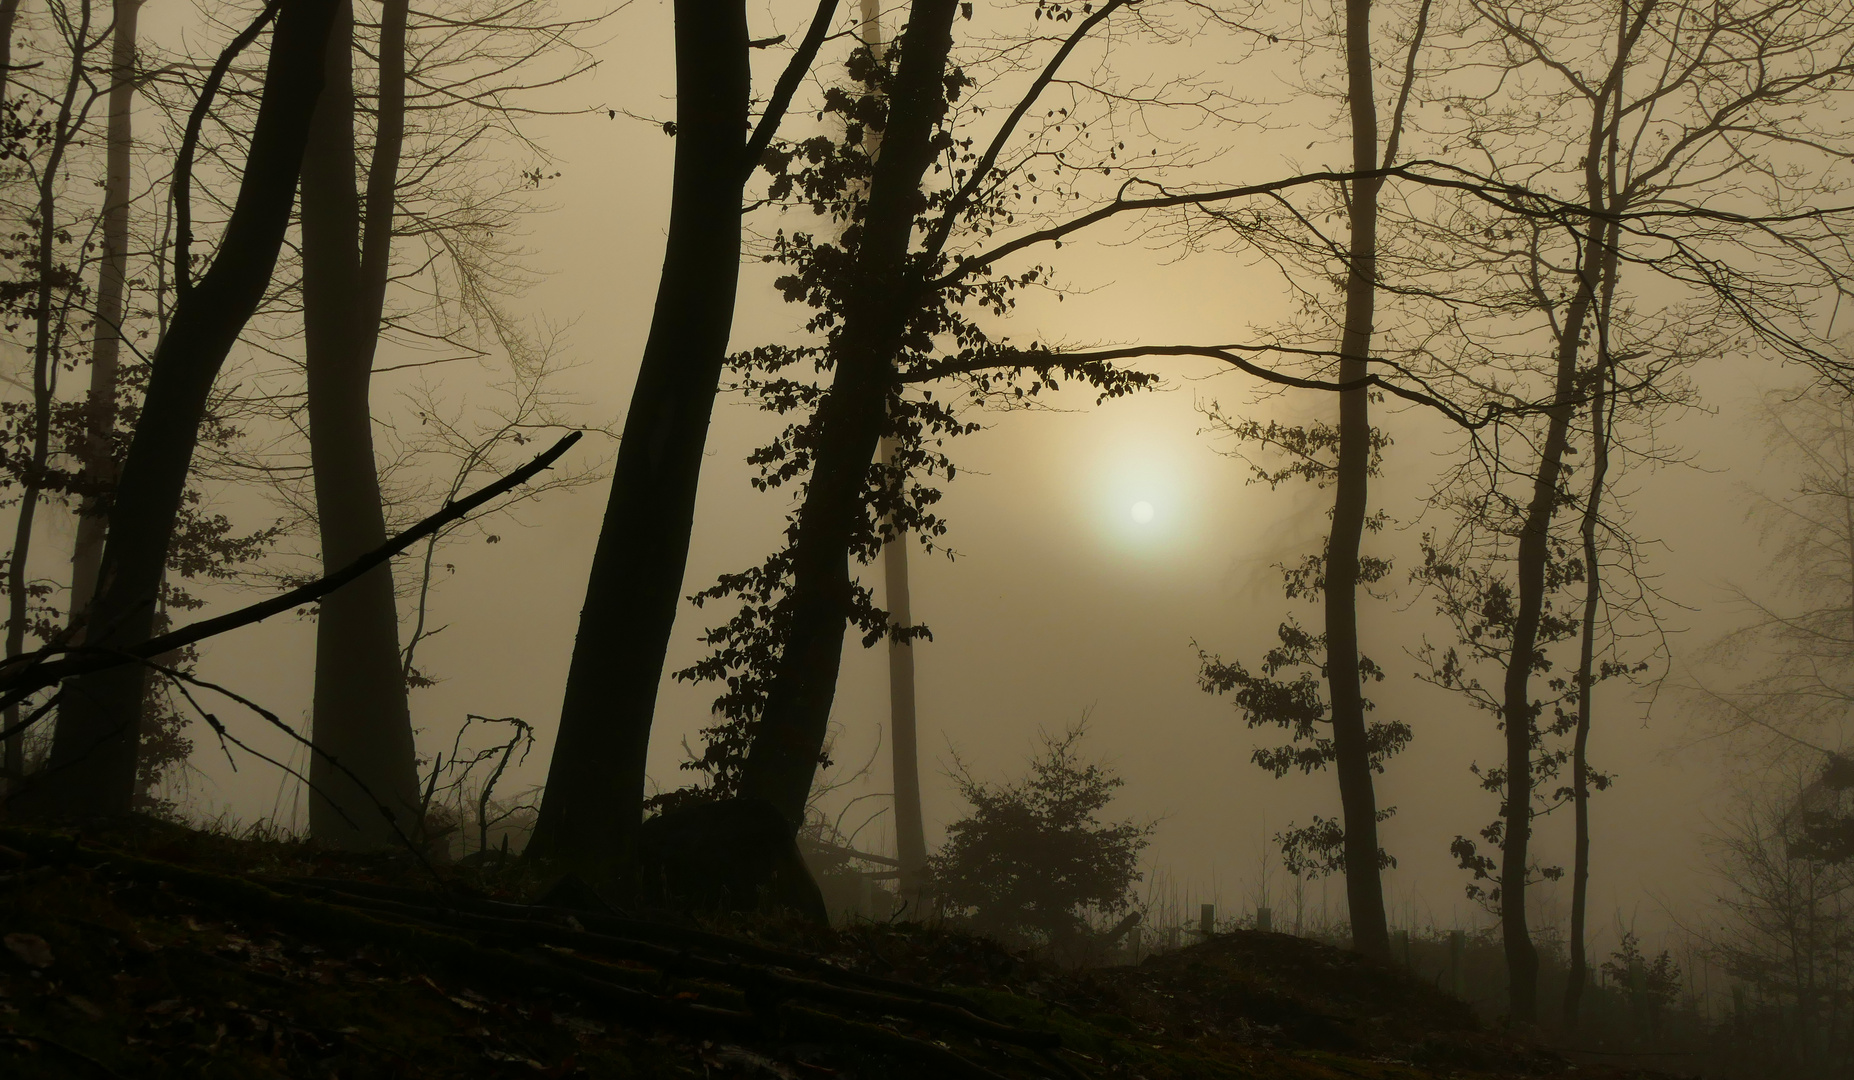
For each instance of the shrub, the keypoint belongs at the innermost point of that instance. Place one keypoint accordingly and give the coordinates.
(1033, 859)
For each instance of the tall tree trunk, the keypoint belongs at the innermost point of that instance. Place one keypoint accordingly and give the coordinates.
(595, 785)
(783, 760)
(1595, 274)
(910, 832)
(44, 365)
(99, 468)
(1602, 419)
(362, 727)
(1608, 109)
(9, 18)
(1580, 743)
(92, 770)
(1351, 753)
(904, 755)
(1518, 713)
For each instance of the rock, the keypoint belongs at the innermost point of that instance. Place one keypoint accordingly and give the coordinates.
(734, 855)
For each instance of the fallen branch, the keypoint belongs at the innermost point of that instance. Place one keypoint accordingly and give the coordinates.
(39, 673)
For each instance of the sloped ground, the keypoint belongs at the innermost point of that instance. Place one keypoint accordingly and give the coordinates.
(164, 953)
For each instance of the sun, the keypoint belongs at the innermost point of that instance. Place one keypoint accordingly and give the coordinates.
(1142, 512)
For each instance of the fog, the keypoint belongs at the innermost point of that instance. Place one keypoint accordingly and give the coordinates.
(1058, 604)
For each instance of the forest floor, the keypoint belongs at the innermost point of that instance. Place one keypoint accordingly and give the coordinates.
(162, 952)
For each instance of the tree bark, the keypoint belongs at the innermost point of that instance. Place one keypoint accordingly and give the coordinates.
(783, 760)
(904, 760)
(99, 468)
(9, 17)
(1602, 417)
(44, 369)
(595, 788)
(1351, 755)
(1580, 743)
(1517, 710)
(362, 726)
(92, 773)
(910, 832)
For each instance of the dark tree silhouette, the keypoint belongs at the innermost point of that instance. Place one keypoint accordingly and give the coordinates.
(1352, 757)
(361, 717)
(784, 756)
(93, 762)
(99, 464)
(593, 805)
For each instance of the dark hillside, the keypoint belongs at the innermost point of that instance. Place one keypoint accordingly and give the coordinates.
(168, 953)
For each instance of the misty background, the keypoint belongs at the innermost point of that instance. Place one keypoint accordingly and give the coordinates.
(1059, 604)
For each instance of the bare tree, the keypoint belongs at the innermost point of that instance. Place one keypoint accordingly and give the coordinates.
(1795, 647)
(1788, 915)
(362, 724)
(1670, 104)
(53, 286)
(99, 464)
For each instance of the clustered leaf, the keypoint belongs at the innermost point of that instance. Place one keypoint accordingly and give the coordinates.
(1033, 857)
(948, 366)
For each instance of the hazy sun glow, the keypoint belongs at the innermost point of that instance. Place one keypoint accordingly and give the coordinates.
(1142, 512)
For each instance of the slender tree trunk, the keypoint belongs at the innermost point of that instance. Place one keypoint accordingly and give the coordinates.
(783, 760)
(1594, 273)
(44, 368)
(362, 726)
(1518, 713)
(595, 787)
(9, 17)
(1602, 417)
(99, 468)
(92, 770)
(1586, 658)
(383, 171)
(1351, 754)
(910, 833)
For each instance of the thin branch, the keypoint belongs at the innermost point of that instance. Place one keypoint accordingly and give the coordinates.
(183, 164)
(788, 85)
